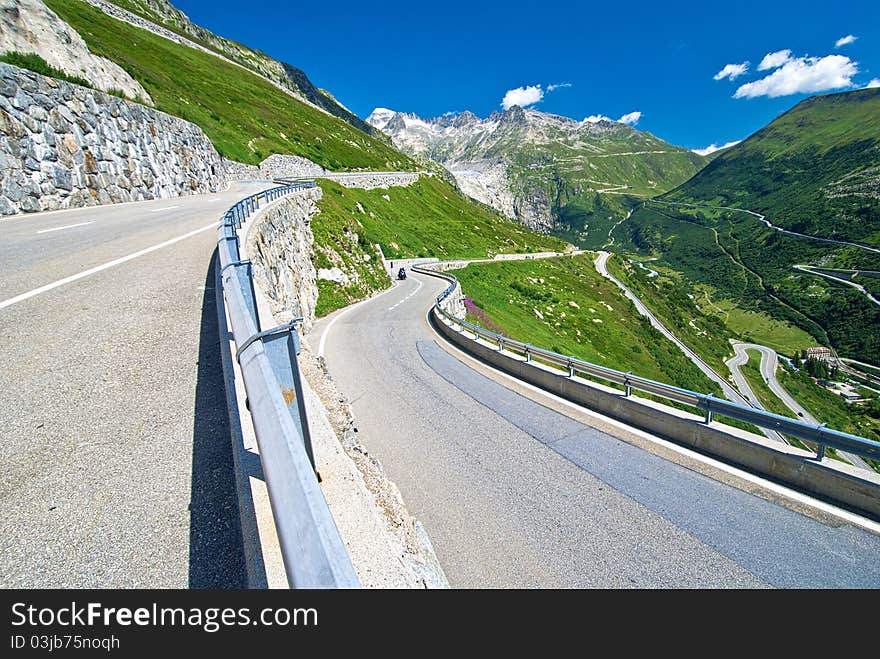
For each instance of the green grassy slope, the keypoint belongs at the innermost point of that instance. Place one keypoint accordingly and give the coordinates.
(581, 314)
(428, 218)
(246, 117)
(814, 170)
(750, 266)
(167, 15)
(861, 420)
(679, 309)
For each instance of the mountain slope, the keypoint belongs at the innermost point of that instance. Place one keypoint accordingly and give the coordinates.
(547, 171)
(165, 14)
(246, 117)
(814, 170)
(426, 219)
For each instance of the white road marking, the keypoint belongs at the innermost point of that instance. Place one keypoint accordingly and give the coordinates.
(166, 208)
(99, 268)
(419, 281)
(845, 515)
(66, 226)
(323, 340)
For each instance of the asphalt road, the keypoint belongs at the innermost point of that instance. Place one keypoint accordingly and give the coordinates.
(729, 392)
(513, 492)
(116, 454)
(769, 364)
(846, 282)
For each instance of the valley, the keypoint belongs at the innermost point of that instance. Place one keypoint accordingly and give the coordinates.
(554, 174)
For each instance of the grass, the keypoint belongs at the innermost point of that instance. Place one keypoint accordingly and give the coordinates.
(805, 170)
(760, 328)
(35, 63)
(246, 117)
(829, 407)
(668, 297)
(564, 305)
(740, 259)
(426, 219)
(155, 17)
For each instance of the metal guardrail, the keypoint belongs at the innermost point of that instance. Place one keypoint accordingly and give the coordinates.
(820, 435)
(313, 552)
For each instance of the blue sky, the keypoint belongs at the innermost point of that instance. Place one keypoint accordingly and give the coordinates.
(612, 59)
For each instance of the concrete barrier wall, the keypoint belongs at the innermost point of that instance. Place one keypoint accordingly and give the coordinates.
(842, 484)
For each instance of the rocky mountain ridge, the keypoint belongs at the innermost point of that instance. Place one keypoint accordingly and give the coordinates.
(550, 172)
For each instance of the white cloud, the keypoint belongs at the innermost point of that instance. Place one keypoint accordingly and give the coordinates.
(732, 71)
(803, 75)
(843, 41)
(873, 84)
(522, 96)
(630, 118)
(525, 96)
(712, 148)
(774, 60)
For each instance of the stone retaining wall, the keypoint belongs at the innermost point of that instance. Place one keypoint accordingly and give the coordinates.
(65, 146)
(370, 180)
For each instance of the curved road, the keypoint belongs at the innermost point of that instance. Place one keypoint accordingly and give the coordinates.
(770, 225)
(116, 451)
(729, 392)
(811, 271)
(516, 489)
(769, 364)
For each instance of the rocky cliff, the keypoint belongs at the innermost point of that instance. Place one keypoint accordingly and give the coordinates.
(29, 26)
(281, 246)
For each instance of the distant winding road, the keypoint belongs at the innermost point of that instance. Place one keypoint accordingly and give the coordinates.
(729, 392)
(762, 218)
(769, 364)
(815, 271)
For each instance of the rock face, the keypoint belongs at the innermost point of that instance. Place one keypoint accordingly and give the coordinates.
(281, 246)
(542, 169)
(65, 146)
(29, 26)
(239, 171)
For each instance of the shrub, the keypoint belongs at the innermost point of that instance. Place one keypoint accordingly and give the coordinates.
(35, 63)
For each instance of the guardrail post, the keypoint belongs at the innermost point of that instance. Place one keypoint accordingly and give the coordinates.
(528, 353)
(500, 344)
(709, 413)
(281, 345)
(570, 368)
(821, 448)
(626, 383)
(244, 273)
